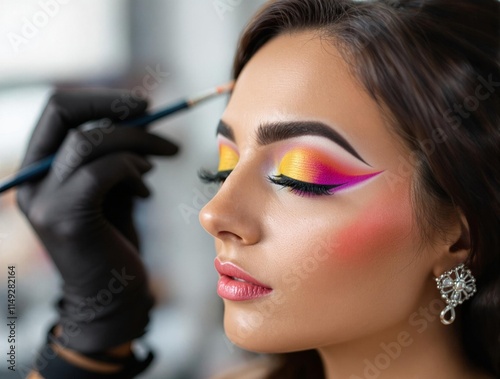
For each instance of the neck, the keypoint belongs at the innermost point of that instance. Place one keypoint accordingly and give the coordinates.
(419, 347)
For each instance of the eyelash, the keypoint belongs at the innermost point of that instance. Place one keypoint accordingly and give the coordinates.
(210, 177)
(302, 188)
(297, 187)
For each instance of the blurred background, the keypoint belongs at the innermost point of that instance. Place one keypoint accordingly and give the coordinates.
(186, 47)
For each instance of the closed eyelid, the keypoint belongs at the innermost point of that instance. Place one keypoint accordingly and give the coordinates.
(312, 166)
(228, 155)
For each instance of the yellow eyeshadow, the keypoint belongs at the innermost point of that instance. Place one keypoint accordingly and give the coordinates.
(228, 158)
(313, 166)
(293, 163)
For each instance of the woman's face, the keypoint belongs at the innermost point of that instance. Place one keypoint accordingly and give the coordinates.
(317, 206)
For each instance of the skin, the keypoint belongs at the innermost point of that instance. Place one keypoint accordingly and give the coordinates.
(349, 270)
(350, 273)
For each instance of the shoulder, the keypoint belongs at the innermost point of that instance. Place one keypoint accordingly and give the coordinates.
(258, 368)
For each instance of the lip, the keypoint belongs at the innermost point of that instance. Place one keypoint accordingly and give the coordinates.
(236, 284)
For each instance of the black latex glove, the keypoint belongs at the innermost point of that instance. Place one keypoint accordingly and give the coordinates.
(82, 212)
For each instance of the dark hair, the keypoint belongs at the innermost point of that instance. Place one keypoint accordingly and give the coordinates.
(423, 62)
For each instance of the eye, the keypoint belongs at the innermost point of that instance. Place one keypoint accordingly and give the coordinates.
(228, 158)
(307, 171)
(302, 188)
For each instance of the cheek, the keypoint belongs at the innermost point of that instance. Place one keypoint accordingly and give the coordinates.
(331, 261)
(368, 235)
(381, 230)
(338, 269)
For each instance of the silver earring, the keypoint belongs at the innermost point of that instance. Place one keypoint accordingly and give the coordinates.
(456, 286)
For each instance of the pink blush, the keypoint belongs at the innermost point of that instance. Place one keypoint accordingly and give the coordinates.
(381, 228)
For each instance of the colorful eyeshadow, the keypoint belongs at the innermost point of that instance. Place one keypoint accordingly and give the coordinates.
(316, 167)
(228, 157)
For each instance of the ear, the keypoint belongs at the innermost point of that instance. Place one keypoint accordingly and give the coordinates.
(454, 247)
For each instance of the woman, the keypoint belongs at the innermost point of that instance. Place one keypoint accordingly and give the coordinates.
(359, 160)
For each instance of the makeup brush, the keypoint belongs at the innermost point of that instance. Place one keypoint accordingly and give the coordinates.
(41, 167)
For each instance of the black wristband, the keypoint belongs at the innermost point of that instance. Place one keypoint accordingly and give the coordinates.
(56, 367)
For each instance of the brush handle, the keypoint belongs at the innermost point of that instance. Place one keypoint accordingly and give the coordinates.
(28, 173)
(41, 167)
(149, 118)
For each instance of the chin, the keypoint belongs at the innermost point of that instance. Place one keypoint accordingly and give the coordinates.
(263, 337)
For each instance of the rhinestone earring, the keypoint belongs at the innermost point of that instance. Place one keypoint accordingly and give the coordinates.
(456, 286)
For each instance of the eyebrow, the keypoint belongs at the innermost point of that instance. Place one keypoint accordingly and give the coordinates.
(278, 131)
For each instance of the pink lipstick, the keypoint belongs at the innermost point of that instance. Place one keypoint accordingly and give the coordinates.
(236, 284)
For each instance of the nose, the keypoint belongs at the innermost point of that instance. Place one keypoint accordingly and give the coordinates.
(233, 213)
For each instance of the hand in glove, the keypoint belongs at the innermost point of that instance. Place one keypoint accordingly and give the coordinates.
(82, 212)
